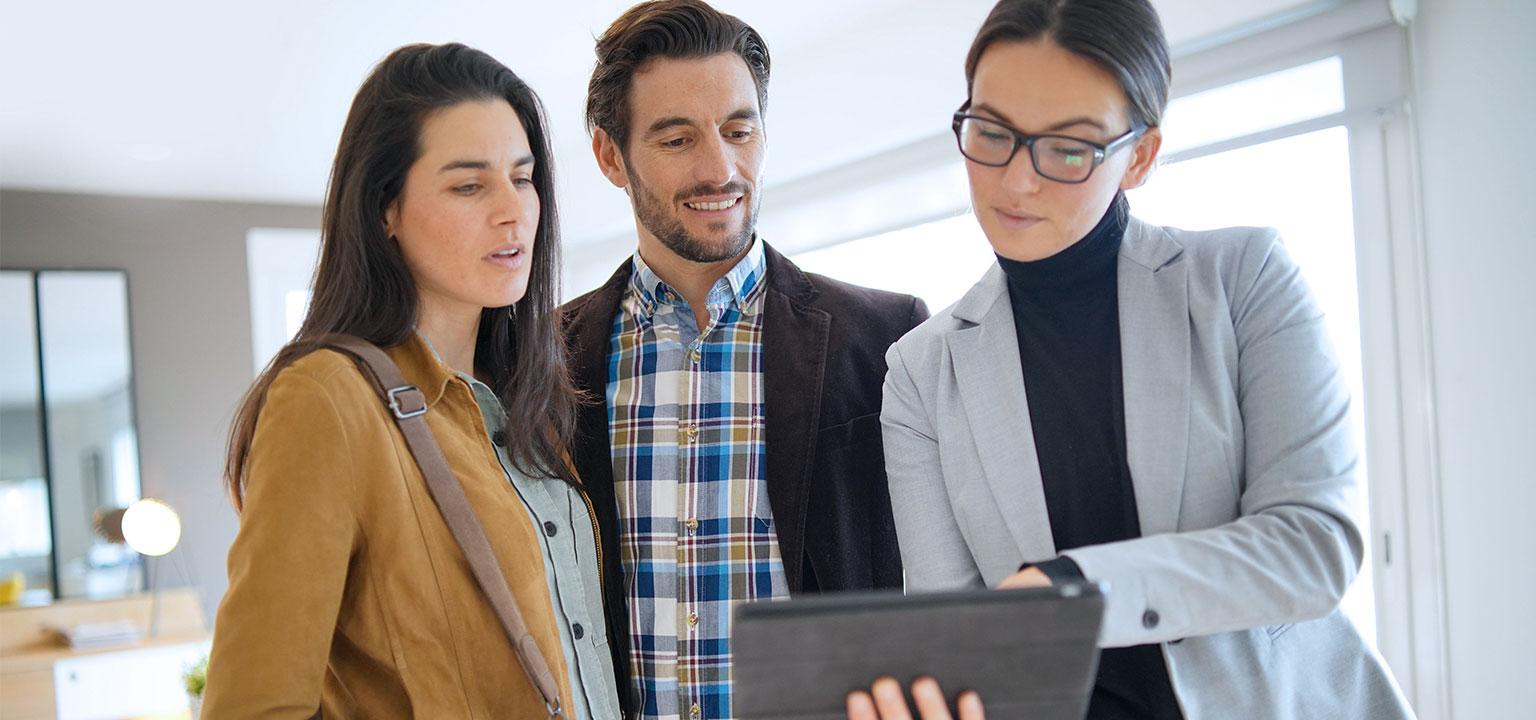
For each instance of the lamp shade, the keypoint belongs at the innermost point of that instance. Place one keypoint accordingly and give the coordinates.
(151, 527)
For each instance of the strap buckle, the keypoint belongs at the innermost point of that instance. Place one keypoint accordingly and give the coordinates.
(554, 708)
(415, 402)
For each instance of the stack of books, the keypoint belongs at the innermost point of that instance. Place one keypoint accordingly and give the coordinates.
(89, 636)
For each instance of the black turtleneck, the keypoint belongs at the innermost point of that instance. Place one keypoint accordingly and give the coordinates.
(1066, 313)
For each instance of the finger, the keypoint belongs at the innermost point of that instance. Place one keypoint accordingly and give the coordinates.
(890, 700)
(861, 706)
(929, 699)
(1032, 577)
(970, 706)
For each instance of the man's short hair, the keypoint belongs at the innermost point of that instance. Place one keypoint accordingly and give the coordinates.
(678, 29)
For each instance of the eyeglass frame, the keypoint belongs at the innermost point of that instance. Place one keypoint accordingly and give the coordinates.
(1101, 152)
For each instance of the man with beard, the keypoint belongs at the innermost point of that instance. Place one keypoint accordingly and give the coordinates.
(732, 445)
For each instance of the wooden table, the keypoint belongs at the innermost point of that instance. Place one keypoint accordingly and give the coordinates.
(30, 656)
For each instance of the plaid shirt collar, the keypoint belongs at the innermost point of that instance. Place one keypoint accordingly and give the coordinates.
(741, 288)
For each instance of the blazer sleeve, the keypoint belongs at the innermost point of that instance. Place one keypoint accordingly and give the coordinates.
(918, 314)
(288, 564)
(933, 551)
(1296, 545)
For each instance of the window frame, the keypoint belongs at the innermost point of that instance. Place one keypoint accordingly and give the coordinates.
(1395, 330)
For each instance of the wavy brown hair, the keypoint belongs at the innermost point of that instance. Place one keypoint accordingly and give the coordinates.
(362, 286)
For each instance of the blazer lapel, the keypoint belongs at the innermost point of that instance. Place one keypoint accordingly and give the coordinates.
(589, 327)
(991, 381)
(795, 337)
(1154, 352)
(588, 323)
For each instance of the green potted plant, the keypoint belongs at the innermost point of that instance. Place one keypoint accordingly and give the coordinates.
(196, 680)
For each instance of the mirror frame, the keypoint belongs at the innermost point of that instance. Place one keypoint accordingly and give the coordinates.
(35, 276)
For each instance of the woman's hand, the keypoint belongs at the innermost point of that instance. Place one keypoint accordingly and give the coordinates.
(889, 703)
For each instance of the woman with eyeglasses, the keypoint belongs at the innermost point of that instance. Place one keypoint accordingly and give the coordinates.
(1151, 408)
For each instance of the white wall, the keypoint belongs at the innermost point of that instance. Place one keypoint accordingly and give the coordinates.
(191, 327)
(1475, 105)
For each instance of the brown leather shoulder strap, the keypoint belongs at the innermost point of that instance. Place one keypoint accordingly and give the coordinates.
(408, 405)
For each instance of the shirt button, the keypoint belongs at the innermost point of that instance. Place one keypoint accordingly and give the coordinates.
(577, 631)
(693, 433)
(500, 438)
(693, 525)
(693, 620)
(695, 712)
(550, 528)
(1150, 619)
(694, 355)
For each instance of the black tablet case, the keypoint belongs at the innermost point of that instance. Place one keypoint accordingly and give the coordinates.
(1029, 653)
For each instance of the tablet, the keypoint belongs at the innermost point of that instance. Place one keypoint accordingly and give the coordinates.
(1029, 653)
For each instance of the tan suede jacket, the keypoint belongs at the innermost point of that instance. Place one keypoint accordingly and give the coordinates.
(346, 589)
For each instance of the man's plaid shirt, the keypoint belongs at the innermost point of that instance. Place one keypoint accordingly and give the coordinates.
(696, 531)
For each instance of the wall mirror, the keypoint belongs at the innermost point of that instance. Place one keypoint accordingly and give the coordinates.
(68, 441)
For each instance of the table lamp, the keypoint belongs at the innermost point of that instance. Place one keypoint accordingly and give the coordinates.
(152, 529)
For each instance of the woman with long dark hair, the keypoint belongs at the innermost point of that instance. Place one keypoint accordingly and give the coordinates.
(348, 590)
(1151, 408)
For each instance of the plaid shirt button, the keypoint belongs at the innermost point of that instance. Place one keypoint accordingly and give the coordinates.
(695, 521)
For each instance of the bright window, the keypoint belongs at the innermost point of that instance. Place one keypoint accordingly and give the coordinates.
(1262, 103)
(280, 262)
(936, 261)
(25, 504)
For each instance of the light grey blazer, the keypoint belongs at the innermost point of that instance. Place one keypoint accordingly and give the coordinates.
(1240, 449)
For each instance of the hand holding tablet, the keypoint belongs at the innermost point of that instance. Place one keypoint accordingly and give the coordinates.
(885, 701)
(1028, 653)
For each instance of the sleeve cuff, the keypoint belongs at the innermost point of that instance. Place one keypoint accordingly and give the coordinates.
(1061, 569)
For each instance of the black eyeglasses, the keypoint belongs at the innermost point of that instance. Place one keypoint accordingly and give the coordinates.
(1056, 157)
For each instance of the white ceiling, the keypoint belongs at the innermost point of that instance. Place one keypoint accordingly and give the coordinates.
(177, 98)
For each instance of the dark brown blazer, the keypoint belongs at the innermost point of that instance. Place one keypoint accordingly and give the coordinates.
(824, 344)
